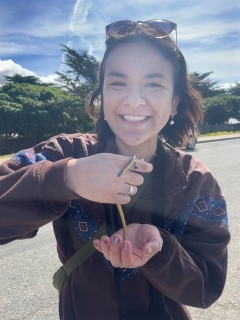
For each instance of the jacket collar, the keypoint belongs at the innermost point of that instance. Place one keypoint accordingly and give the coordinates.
(175, 177)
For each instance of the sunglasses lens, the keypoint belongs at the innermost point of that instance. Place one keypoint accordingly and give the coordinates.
(120, 27)
(163, 26)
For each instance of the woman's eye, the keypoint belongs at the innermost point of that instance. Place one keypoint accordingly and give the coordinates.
(118, 84)
(153, 85)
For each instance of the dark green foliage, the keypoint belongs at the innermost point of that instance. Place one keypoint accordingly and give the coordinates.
(81, 77)
(205, 85)
(18, 78)
(221, 108)
(235, 89)
(39, 112)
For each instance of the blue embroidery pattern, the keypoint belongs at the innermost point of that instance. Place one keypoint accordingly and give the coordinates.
(26, 158)
(204, 208)
(84, 225)
(123, 274)
(86, 228)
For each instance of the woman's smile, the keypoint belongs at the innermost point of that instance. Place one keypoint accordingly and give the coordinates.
(134, 118)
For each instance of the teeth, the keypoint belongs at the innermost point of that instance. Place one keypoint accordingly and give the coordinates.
(134, 118)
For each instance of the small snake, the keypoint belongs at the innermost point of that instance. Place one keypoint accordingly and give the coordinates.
(128, 166)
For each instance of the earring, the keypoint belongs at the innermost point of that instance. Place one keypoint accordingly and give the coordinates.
(172, 121)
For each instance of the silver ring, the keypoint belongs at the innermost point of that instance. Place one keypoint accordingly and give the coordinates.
(160, 245)
(130, 191)
(135, 166)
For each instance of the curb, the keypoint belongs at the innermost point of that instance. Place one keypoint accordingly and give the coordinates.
(217, 139)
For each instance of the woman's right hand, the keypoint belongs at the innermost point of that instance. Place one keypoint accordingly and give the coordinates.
(96, 177)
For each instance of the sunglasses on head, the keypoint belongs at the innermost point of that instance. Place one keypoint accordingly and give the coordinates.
(164, 27)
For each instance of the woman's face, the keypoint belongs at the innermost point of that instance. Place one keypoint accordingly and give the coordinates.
(138, 94)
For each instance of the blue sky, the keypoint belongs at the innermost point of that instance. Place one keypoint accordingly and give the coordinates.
(31, 32)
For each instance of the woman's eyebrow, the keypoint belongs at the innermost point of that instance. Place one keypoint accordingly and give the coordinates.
(116, 74)
(148, 76)
(155, 75)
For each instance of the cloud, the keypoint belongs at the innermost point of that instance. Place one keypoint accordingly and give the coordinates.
(13, 48)
(225, 86)
(222, 62)
(9, 68)
(196, 25)
(77, 22)
(78, 16)
(52, 78)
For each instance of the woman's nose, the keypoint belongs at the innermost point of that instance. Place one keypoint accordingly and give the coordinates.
(134, 99)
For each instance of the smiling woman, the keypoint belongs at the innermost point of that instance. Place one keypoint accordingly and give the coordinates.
(175, 214)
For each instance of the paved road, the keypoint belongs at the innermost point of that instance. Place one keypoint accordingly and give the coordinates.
(223, 158)
(26, 266)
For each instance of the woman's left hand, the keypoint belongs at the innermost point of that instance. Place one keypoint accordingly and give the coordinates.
(143, 242)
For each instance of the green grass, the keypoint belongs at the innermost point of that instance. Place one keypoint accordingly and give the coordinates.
(219, 133)
(7, 156)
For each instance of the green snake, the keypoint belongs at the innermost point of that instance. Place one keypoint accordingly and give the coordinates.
(121, 214)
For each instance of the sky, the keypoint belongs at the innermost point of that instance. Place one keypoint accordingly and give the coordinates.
(31, 32)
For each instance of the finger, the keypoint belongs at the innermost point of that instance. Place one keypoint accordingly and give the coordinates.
(129, 190)
(140, 165)
(115, 251)
(128, 259)
(133, 178)
(153, 247)
(126, 255)
(97, 244)
(120, 199)
(105, 247)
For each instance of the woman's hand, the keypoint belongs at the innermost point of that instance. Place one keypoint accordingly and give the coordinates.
(144, 241)
(96, 177)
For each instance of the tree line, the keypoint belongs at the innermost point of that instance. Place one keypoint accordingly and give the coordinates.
(30, 108)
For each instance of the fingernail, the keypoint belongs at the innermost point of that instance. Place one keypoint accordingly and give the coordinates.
(104, 242)
(95, 245)
(116, 240)
(149, 251)
(125, 246)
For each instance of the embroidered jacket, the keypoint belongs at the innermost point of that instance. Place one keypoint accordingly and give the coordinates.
(190, 269)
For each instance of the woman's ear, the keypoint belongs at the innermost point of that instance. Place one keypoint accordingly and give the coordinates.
(174, 105)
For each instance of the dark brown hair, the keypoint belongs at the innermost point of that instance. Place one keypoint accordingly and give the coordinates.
(189, 108)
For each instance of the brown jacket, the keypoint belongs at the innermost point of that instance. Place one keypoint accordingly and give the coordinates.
(190, 269)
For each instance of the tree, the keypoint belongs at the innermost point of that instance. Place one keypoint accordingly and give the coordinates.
(18, 78)
(221, 108)
(39, 112)
(235, 89)
(81, 77)
(205, 85)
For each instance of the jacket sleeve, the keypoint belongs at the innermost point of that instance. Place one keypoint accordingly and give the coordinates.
(32, 189)
(191, 268)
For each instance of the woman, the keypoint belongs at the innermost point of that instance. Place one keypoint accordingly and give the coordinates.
(175, 252)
